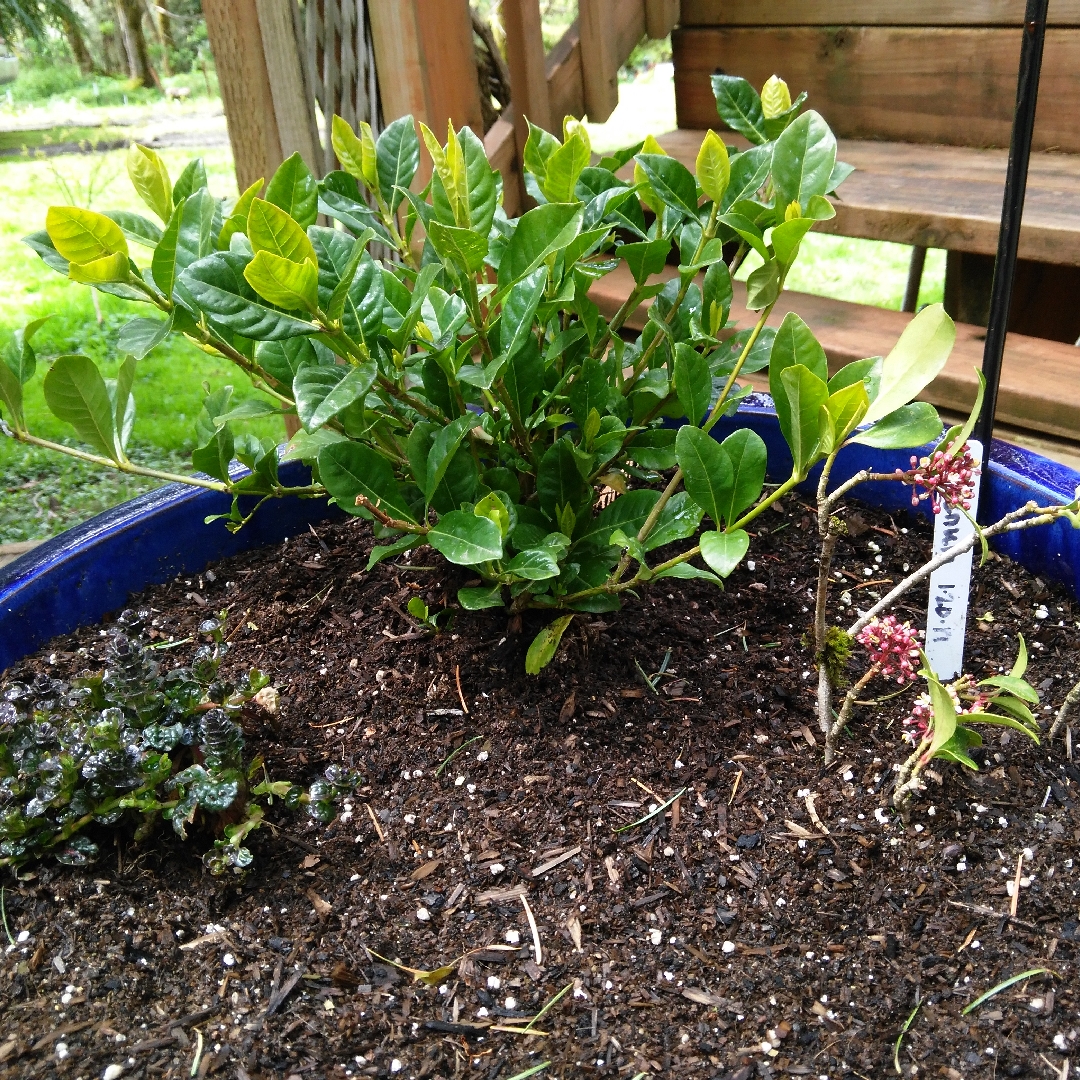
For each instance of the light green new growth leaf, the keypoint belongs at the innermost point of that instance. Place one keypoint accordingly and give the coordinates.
(915, 361)
(81, 236)
(285, 284)
(545, 645)
(151, 181)
(271, 229)
(713, 168)
(724, 551)
(944, 710)
(110, 268)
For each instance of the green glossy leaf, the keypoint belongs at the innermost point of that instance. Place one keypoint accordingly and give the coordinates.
(1015, 686)
(190, 180)
(944, 712)
(123, 402)
(724, 551)
(139, 336)
(539, 232)
(746, 452)
(564, 166)
(378, 553)
(397, 156)
(214, 457)
(909, 426)
(672, 181)
(271, 229)
(533, 564)
(803, 160)
(867, 371)
(1018, 668)
(915, 361)
(845, 410)
(348, 469)
(356, 153)
(463, 250)
(293, 189)
(321, 391)
(111, 268)
(559, 481)
(443, 448)
(76, 394)
(645, 258)
(236, 222)
(708, 474)
(545, 645)
(688, 572)
(679, 519)
(763, 286)
(465, 539)
(362, 306)
(654, 449)
(479, 598)
(519, 309)
(693, 382)
(628, 512)
(81, 236)
(283, 359)
(136, 228)
(217, 286)
(12, 395)
(739, 106)
(794, 344)
(804, 394)
(716, 296)
(786, 238)
(151, 180)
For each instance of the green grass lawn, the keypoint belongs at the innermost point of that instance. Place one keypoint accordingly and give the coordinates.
(42, 493)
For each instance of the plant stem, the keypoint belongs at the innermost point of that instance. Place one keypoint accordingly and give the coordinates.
(628, 307)
(1011, 522)
(859, 478)
(1067, 705)
(835, 729)
(120, 466)
(829, 534)
(908, 779)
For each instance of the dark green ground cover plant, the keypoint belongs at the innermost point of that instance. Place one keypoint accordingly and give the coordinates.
(134, 743)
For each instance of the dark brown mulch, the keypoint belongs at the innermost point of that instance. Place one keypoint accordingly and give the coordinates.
(779, 922)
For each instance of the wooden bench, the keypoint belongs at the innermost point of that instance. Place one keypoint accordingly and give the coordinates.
(942, 75)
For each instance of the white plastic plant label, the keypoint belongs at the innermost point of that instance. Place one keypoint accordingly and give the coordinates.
(950, 585)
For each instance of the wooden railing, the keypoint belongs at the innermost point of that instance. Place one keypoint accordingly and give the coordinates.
(277, 58)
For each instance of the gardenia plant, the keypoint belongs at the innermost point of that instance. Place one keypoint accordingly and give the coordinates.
(471, 396)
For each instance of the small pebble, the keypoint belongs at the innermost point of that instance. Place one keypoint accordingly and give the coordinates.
(61, 1050)
(423, 914)
(510, 1003)
(396, 1066)
(728, 947)
(493, 982)
(655, 936)
(513, 937)
(112, 1072)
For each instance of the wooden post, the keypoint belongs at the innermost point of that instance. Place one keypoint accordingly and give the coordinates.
(526, 61)
(449, 58)
(661, 16)
(599, 67)
(294, 109)
(235, 39)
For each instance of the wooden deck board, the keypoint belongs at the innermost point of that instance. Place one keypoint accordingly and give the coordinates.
(1040, 379)
(942, 196)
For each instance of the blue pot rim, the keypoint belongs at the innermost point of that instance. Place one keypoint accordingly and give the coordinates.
(82, 575)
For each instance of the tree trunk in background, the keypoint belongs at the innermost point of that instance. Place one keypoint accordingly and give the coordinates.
(129, 14)
(157, 20)
(73, 33)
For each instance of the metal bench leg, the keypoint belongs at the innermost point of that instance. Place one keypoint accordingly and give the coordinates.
(914, 279)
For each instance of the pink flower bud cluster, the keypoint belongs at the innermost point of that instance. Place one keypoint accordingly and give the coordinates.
(892, 645)
(945, 478)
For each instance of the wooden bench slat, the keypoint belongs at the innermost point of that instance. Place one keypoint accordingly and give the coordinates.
(928, 85)
(942, 196)
(869, 12)
(1040, 379)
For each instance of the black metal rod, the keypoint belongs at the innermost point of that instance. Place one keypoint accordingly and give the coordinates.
(1012, 209)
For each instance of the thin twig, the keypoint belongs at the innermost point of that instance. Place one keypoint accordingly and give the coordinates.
(461, 696)
(537, 950)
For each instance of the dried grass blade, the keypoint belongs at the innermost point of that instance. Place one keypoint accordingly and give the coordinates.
(652, 813)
